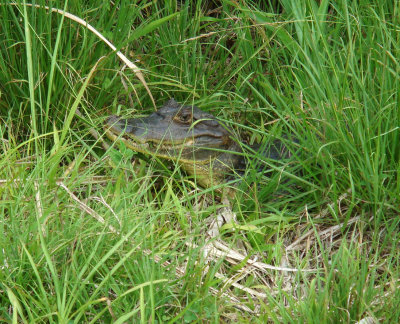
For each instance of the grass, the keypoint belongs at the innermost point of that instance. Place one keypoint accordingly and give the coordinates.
(89, 236)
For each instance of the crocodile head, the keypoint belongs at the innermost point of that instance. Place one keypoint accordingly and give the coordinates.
(201, 144)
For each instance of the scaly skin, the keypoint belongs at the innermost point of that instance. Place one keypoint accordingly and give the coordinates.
(202, 145)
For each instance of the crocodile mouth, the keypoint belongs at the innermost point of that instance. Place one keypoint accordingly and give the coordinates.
(201, 144)
(195, 139)
(168, 141)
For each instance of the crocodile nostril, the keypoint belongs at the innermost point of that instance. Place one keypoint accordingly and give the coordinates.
(112, 120)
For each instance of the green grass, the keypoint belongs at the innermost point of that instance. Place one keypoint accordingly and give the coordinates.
(87, 236)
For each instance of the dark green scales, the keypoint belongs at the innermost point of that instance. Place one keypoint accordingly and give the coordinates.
(200, 143)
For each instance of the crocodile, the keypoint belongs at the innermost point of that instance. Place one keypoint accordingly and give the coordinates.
(204, 146)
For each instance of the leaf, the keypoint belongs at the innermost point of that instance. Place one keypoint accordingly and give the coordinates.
(247, 227)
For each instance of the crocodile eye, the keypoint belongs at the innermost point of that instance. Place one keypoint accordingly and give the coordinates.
(184, 117)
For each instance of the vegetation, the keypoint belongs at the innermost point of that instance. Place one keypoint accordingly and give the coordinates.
(87, 235)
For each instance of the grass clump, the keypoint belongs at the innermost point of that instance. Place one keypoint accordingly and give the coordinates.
(89, 236)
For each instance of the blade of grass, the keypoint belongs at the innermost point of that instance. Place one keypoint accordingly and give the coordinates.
(131, 65)
(74, 107)
(53, 66)
(28, 46)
